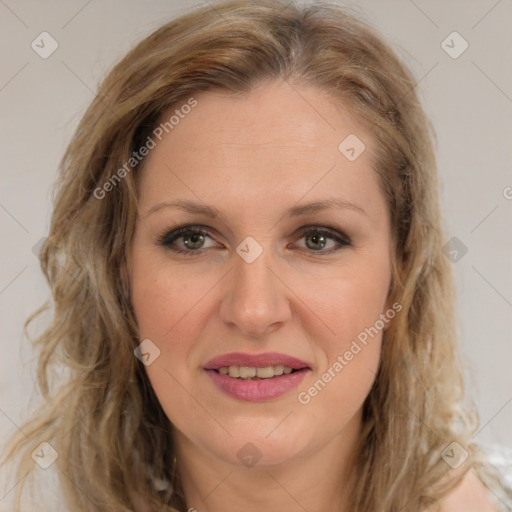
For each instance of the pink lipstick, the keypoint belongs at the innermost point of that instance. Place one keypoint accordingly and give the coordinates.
(256, 377)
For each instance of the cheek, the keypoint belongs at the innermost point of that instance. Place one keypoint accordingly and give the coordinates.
(341, 384)
(361, 300)
(353, 307)
(172, 305)
(349, 300)
(168, 306)
(354, 319)
(164, 298)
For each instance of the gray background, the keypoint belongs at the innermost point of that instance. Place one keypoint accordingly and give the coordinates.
(469, 99)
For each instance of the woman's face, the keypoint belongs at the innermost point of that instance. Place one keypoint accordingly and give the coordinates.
(276, 282)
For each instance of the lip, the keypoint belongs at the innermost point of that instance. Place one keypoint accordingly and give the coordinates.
(257, 390)
(255, 361)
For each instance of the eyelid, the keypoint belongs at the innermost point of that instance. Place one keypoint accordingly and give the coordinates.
(323, 228)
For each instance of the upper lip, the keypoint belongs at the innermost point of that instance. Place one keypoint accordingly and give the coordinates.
(255, 361)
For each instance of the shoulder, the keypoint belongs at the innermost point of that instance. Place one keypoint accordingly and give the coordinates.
(469, 496)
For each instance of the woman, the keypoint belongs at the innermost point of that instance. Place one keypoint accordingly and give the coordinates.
(248, 282)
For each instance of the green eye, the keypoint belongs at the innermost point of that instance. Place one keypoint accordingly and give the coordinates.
(324, 241)
(191, 240)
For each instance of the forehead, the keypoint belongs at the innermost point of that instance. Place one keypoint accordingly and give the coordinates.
(275, 113)
(272, 146)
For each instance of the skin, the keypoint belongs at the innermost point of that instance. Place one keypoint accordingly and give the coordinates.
(470, 495)
(252, 157)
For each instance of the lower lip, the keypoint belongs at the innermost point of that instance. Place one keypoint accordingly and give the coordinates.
(257, 390)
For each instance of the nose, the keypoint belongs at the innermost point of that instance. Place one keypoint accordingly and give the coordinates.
(256, 300)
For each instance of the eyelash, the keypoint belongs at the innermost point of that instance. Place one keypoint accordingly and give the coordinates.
(167, 239)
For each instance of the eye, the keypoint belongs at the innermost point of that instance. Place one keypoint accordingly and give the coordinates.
(323, 240)
(187, 240)
(191, 240)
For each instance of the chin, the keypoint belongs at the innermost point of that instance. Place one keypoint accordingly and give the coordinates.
(263, 452)
(266, 441)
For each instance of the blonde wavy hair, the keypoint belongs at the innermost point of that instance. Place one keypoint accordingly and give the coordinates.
(113, 438)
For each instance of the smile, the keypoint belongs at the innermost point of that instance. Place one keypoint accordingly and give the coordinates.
(256, 377)
(253, 373)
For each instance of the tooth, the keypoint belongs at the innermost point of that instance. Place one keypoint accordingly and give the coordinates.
(247, 372)
(278, 369)
(265, 373)
(234, 371)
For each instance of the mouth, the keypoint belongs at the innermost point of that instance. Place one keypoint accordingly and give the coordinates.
(256, 373)
(256, 377)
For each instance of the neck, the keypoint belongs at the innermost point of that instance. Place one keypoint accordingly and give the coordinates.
(319, 480)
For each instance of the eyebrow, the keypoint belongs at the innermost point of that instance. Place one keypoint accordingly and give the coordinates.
(294, 211)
